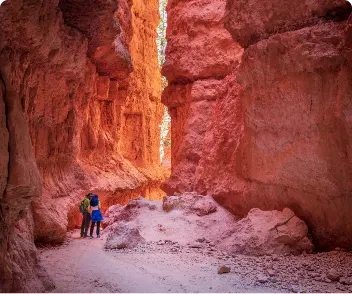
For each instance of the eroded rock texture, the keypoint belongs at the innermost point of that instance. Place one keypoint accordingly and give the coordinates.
(250, 21)
(278, 132)
(269, 232)
(80, 110)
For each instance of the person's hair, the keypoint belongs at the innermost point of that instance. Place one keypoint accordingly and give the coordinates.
(94, 201)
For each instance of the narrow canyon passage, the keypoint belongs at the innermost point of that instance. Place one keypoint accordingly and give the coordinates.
(255, 173)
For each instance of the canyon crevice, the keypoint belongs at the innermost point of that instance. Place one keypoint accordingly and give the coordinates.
(271, 127)
(259, 94)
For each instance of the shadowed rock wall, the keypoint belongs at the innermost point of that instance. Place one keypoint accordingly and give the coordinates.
(80, 110)
(278, 133)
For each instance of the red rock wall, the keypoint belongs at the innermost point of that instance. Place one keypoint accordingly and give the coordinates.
(20, 184)
(80, 106)
(297, 106)
(278, 133)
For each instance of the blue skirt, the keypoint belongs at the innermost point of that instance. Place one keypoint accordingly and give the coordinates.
(96, 216)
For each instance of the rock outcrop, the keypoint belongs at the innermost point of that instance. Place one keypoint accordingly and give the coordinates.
(275, 131)
(200, 56)
(250, 21)
(80, 110)
(269, 232)
(203, 222)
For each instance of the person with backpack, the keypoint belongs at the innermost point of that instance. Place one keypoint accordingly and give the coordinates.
(96, 215)
(83, 208)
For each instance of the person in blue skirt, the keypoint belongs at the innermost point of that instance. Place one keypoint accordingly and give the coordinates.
(96, 215)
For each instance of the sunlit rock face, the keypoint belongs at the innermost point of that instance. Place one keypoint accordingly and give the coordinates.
(278, 131)
(80, 110)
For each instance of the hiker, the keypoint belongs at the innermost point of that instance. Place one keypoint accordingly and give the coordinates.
(83, 208)
(96, 215)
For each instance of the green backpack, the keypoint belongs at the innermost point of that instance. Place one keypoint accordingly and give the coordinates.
(81, 207)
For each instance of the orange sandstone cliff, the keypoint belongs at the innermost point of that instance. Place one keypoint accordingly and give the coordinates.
(79, 111)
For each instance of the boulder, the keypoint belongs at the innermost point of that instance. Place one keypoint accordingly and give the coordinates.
(123, 236)
(191, 202)
(224, 270)
(268, 232)
(333, 275)
(204, 207)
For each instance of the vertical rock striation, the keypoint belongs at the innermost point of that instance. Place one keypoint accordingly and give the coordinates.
(278, 133)
(79, 110)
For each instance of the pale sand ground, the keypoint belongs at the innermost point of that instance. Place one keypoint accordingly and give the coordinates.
(82, 265)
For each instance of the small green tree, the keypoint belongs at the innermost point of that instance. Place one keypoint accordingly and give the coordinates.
(161, 44)
(161, 30)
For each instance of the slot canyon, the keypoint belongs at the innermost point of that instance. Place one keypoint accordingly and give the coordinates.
(258, 194)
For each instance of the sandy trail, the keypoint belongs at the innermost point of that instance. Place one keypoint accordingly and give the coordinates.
(82, 265)
(182, 252)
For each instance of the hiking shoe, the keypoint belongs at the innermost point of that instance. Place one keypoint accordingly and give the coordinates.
(98, 236)
(90, 237)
